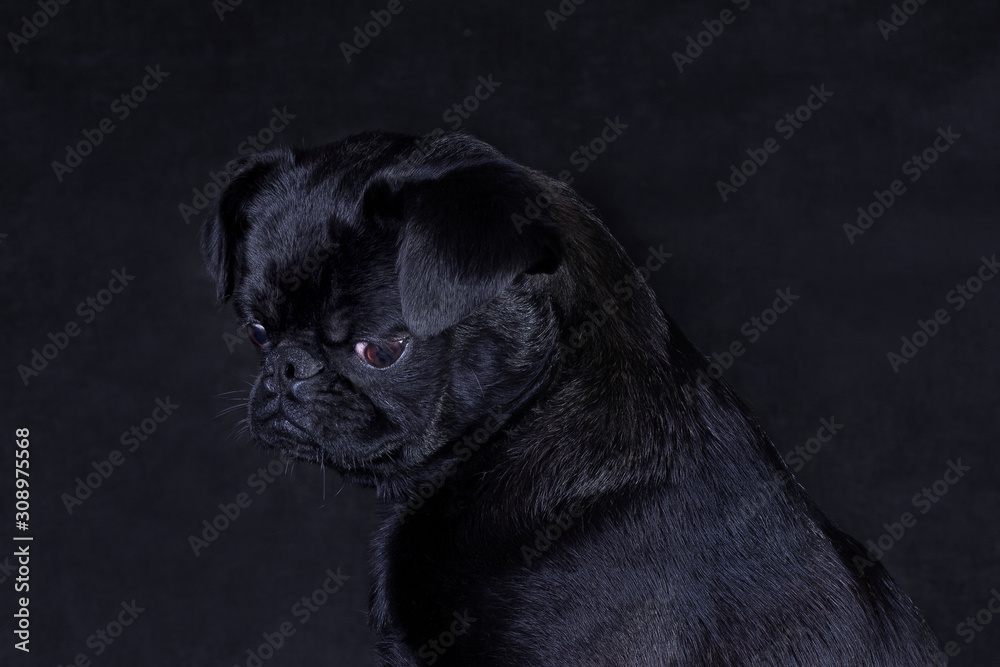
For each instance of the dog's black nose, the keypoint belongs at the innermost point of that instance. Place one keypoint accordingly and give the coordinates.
(285, 365)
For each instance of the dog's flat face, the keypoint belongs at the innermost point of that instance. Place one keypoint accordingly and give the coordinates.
(367, 275)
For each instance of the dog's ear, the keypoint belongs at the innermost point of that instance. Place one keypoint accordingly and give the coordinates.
(223, 234)
(466, 234)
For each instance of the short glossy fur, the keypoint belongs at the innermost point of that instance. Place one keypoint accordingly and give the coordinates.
(549, 498)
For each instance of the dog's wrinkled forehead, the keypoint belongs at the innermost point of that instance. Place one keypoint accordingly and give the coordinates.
(422, 226)
(290, 244)
(307, 242)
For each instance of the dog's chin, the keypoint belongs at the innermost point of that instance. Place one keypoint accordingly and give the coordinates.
(293, 440)
(362, 466)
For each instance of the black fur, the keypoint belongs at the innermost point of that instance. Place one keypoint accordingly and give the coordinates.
(550, 498)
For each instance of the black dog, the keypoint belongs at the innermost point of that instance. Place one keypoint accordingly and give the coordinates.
(562, 485)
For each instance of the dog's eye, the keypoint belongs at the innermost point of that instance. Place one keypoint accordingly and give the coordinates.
(257, 334)
(380, 355)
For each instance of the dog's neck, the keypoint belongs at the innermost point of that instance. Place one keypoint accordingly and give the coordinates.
(635, 370)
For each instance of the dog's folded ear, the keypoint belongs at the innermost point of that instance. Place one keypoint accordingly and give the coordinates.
(224, 232)
(467, 233)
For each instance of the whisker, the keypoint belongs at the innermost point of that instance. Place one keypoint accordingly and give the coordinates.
(230, 409)
(241, 428)
(224, 394)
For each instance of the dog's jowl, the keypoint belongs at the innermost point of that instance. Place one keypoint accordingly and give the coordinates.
(550, 498)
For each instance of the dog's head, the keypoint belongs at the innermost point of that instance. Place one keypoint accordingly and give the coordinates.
(394, 292)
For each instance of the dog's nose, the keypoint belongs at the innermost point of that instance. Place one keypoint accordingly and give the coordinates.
(292, 363)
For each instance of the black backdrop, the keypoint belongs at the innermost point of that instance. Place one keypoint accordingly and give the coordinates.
(220, 73)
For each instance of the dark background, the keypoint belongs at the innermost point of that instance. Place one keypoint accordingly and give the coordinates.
(163, 336)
